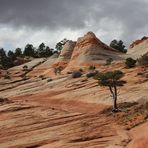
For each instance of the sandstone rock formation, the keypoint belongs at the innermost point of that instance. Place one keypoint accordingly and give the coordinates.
(65, 54)
(138, 48)
(90, 50)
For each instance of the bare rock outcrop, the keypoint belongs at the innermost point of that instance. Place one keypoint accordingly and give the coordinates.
(90, 50)
(138, 47)
(65, 54)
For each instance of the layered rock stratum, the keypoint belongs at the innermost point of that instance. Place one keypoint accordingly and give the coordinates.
(56, 111)
(138, 47)
(90, 50)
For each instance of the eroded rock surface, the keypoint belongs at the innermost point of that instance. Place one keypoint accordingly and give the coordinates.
(138, 48)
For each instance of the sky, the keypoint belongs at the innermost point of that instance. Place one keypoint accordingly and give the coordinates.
(49, 21)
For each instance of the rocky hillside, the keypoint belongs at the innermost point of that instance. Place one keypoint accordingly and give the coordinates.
(88, 50)
(41, 109)
(138, 47)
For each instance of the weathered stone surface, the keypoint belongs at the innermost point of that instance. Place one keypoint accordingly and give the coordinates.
(138, 47)
(89, 50)
(65, 54)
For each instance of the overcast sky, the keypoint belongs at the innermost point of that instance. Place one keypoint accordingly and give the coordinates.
(49, 21)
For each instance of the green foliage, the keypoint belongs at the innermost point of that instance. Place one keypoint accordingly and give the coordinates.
(29, 50)
(109, 61)
(118, 45)
(2, 53)
(6, 62)
(7, 76)
(112, 81)
(130, 63)
(143, 60)
(25, 68)
(18, 52)
(60, 45)
(9, 60)
(76, 74)
(111, 78)
(11, 55)
(44, 51)
(91, 67)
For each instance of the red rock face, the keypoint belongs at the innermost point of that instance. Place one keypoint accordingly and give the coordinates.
(88, 50)
(138, 48)
(138, 42)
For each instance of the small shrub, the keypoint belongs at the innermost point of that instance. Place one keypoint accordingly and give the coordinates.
(2, 100)
(49, 80)
(81, 70)
(143, 60)
(91, 67)
(130, 63)
(140, 73)
(76, 74)
(42, 77)
(109, 61)
(146, 106)
(7, 76)
(69, 72)
(25, 68)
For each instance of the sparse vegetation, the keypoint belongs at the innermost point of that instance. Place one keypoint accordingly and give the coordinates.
(146, 106)
(130, 62)
(143, 60)
(42, 77)
(76, 74)
(49, 80)
(118, 45)
(25, 68)
(60, 45)
(91, 68)
(7, 76)
(109, 61)
(112, 80)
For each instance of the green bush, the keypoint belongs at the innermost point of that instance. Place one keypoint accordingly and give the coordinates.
(143, 60)
(130, 62)
(76, 74)
(49, 80)
(91, 67)
(25, 68)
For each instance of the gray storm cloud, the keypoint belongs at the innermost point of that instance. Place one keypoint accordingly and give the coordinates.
(109, 19)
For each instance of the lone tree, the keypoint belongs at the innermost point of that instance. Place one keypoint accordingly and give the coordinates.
(112, 80)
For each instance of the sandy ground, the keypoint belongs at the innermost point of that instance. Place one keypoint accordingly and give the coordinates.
(67, 112)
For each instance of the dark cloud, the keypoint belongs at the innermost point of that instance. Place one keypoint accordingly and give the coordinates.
(126, 18)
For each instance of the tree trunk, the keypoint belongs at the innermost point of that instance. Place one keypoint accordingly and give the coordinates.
(115, 108)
